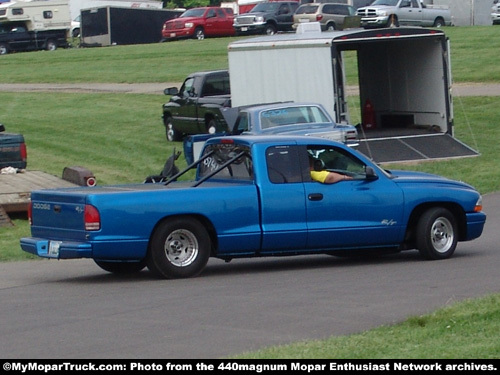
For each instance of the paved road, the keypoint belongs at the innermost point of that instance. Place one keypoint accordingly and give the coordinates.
(72, 309)
(459, 89)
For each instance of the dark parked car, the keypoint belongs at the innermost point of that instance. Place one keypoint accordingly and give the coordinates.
(267, 18)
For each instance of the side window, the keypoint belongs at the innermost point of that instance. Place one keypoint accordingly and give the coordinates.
(216, 85)
(47, 14)
(335, 160)
(187, 88)
(283, 165)
(17, 11)
(220, 13)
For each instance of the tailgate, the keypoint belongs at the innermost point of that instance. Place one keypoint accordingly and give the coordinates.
(58, 214)
(11, 154)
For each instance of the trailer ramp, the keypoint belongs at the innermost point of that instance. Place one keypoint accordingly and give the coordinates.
(414, 148)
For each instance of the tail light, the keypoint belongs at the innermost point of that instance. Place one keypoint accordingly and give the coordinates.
(319, 17)
(24, 152)
(92, 218)
(30, 213)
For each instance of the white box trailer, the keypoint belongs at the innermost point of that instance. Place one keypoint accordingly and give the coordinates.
(404, 81)
(37, 15)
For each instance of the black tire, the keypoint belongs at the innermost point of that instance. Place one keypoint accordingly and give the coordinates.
(437, 234)
(211, 126)
(199, 33)
(51, 45)
(170, 132)
(331, 27)
(438, 22)
(4, 49)
(121, 268)
(393, 21)
(75, 33)
(270, 29)
(179, 248)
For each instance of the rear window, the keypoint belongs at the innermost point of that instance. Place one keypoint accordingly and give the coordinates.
(307, 9)
(216, 85)
(239, 165)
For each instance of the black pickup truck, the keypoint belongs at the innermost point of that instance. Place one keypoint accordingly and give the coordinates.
(12, 150)
(15, 36)
(198, 106)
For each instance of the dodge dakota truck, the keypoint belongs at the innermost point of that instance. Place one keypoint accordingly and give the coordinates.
(254, 196)
(12, 150)
(196, 107)
(393, 13)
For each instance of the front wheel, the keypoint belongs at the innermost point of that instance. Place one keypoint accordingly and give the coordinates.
(437, 234)
(270, 29)
(199, 33)
(4, 49)
(179, 248)
(171, 133)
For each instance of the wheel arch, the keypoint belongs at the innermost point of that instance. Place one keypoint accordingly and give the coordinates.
(455, 209)
(203, 220)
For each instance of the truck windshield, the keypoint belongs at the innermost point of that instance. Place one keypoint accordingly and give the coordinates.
(392, 3)
(193, 13)
(228, 161)
(266, 7)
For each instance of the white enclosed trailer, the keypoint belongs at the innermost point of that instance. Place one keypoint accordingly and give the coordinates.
(404, 81)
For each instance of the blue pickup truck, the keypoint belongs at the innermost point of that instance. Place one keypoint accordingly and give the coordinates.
(254, 196)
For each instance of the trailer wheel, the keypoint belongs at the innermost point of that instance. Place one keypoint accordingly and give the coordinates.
(439, 22)
(199, 33)
(4, 49)
(180, 247)
(437, 234)
(51, 45)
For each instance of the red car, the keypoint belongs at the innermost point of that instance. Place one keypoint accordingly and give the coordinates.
(200, 22)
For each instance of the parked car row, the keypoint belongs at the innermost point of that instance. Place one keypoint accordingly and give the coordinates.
(265, 18)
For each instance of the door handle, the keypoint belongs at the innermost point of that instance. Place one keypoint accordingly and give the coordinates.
(315, 196)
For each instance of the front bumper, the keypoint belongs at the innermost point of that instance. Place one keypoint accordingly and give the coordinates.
(254, 28)
(177, 34)
(374, 21)
(475, 225)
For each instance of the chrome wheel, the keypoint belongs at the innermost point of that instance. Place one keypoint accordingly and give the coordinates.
(442, 235)
(181, 248)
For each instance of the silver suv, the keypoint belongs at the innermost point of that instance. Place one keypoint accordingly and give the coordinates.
(331, 16)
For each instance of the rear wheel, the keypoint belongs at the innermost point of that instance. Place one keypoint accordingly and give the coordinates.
(180, 247)
(211, 127)
(437, 234)
(51, 45)
(439, 22)
(330, 27)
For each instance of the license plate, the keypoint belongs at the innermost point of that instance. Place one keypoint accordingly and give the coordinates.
(54, 249)
(173, 35)
(244, 29)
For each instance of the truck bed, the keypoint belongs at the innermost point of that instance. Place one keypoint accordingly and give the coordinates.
(15, 189)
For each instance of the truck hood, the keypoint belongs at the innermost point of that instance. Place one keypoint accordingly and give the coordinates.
(400, 176)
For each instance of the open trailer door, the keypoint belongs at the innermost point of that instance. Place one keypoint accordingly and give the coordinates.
(404, 94)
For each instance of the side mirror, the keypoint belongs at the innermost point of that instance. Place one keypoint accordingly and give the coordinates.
(370, 173)
(171, 91)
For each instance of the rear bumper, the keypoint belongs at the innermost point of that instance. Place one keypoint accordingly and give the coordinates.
(56, 249)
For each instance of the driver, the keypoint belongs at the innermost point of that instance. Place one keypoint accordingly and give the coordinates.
(319, 174)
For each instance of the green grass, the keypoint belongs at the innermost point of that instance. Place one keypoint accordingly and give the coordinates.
(121, 139)
(466, 330)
